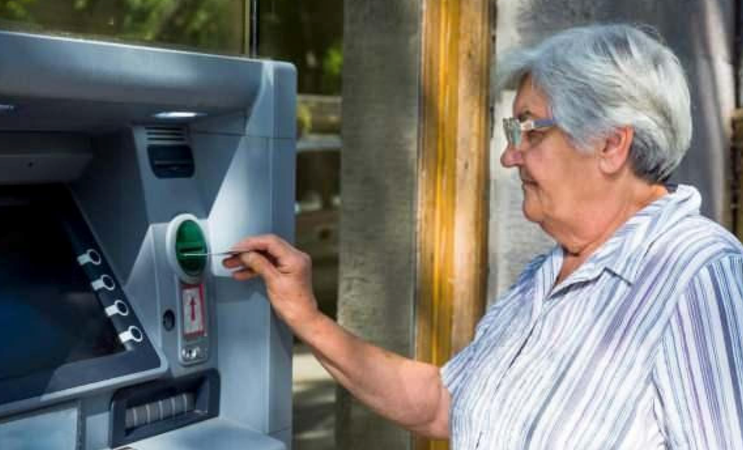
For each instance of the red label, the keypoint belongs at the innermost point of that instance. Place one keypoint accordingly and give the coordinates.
(192, 308)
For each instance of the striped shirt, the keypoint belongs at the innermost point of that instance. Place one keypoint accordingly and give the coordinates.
(641, 347)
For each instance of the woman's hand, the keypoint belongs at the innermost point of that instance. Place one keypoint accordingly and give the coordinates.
(286, 271)
(408, 392)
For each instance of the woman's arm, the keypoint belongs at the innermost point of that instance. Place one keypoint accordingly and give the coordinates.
(408, 392)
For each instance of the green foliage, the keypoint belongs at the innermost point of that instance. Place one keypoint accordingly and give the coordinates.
(333, 61)
(15, 9)
(309, 33)
(305, 32)
(216, 25)
(304, 119)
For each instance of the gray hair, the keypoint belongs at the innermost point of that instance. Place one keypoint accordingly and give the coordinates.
(602, 77)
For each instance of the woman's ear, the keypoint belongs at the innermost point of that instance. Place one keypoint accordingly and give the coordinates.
(615, 154)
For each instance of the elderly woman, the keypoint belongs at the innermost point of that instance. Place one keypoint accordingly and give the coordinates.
(628, 334)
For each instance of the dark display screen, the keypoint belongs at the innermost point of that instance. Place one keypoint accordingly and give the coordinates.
(49, 314)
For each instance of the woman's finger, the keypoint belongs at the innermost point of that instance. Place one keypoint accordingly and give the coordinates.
(259, 264)
(269, 244)
(244, 274)
(232, 262)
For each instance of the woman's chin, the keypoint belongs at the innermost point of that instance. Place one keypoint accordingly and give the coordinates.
(531, 208)
(531, 212)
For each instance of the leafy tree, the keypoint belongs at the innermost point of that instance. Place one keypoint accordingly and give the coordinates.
(214, 25)
(305, 32)
(308, 33)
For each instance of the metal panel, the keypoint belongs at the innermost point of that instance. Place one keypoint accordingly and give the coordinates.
(57, 429)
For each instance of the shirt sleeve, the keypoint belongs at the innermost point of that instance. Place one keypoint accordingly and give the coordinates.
(453, 372)
(699, 369)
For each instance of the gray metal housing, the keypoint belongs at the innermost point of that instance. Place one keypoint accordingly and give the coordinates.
(82, 113)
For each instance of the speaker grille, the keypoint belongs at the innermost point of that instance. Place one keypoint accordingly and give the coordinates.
(162, 135)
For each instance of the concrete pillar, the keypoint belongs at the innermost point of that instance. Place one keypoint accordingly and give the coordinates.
(701, 32)
(381, 98)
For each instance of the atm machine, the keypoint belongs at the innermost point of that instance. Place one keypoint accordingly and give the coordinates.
(120, 167)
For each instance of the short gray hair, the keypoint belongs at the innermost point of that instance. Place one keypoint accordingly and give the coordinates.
(601, 77)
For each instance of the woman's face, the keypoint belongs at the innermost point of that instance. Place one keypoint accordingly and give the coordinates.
(556, 177)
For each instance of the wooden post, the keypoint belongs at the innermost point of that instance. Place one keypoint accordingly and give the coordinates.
(453, 178)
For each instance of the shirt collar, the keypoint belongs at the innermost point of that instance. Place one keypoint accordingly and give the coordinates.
(622, 254)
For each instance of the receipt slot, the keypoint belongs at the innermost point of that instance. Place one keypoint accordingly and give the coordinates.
(120, 330)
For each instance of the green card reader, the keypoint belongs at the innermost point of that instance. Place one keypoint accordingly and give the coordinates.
(187, 251)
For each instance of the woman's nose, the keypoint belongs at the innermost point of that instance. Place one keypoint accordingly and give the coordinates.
(511, 156)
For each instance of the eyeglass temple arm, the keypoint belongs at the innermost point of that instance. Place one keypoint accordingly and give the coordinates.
(537, 123)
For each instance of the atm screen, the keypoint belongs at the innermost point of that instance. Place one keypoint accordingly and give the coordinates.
(49, 314)
(57, 339)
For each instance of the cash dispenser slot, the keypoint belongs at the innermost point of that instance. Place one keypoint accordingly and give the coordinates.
(142, 411)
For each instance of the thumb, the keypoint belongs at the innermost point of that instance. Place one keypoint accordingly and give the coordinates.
(260, 265)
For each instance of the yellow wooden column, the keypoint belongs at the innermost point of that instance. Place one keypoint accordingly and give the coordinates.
(453, 178)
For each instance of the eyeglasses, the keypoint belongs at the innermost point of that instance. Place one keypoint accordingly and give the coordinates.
(514, 128)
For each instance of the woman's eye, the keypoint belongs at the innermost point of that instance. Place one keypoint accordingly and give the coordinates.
(533, 135)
